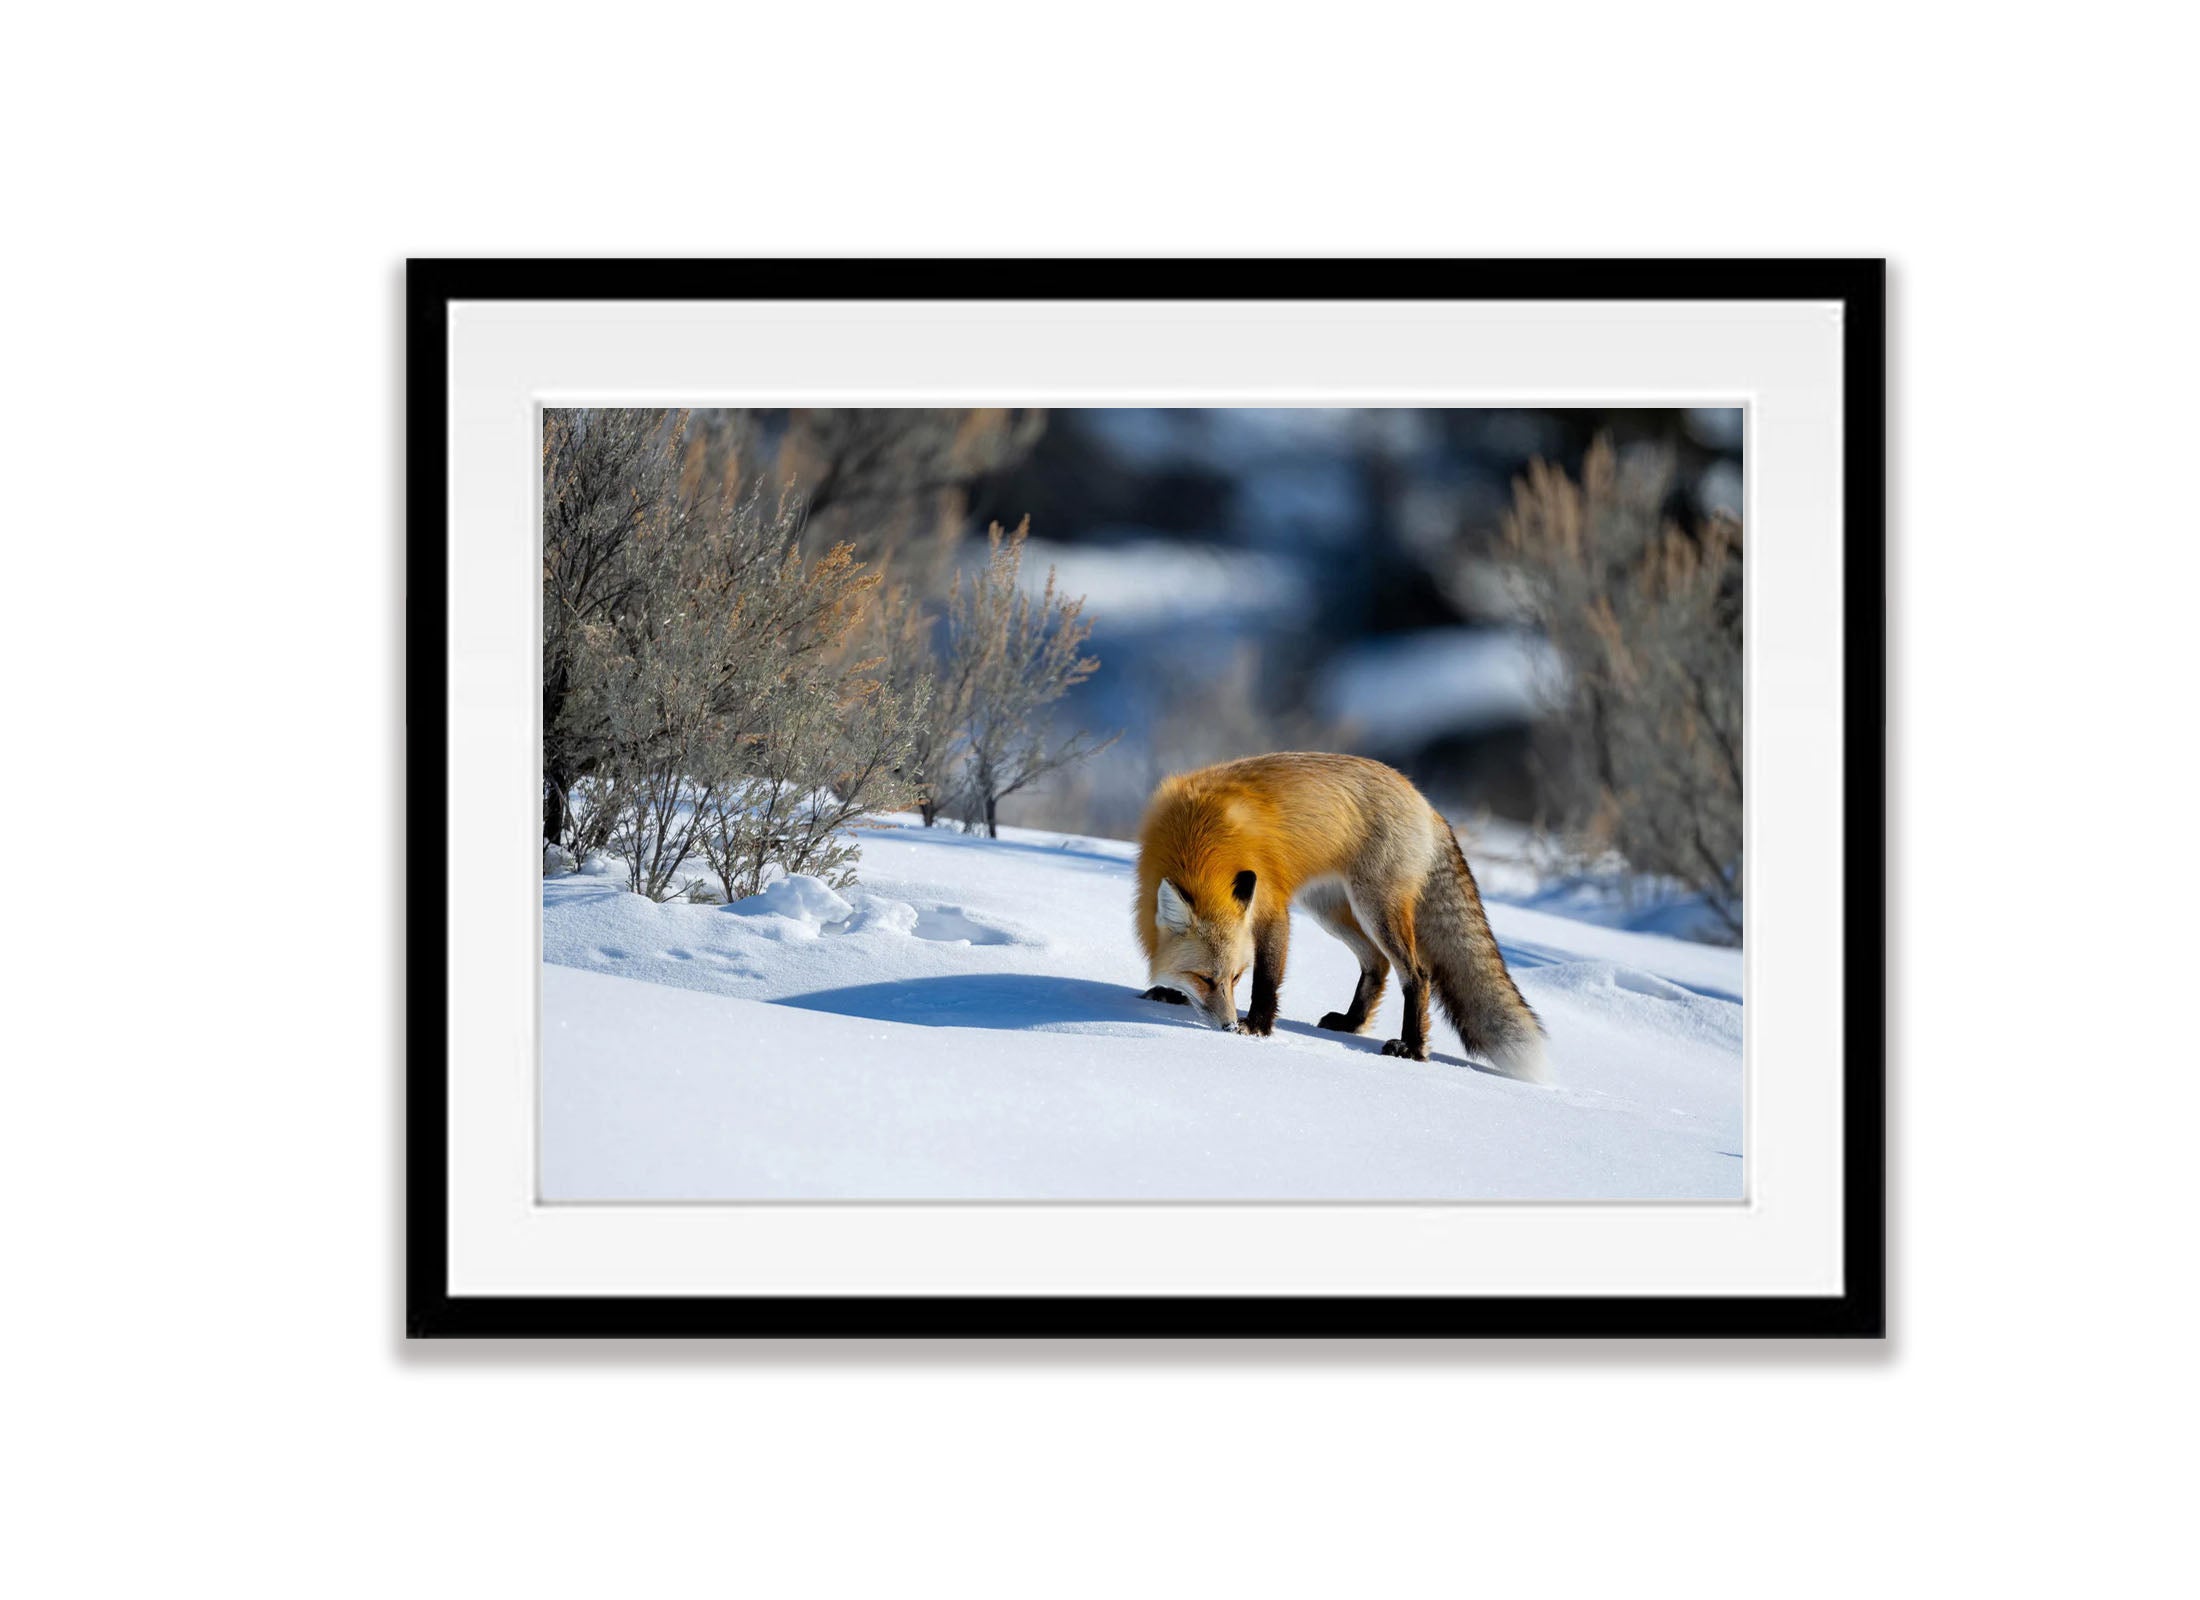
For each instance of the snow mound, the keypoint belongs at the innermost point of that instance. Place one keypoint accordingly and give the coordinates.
(801, 899)
(876, 913)
(1630, 1001)
(1583, 977)
(952, 924)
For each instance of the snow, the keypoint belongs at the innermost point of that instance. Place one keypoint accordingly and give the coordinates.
(802, 901)
(1142, 581)
(1402, 690)
(1720, 488)
(1512, 866)
(966, 1024)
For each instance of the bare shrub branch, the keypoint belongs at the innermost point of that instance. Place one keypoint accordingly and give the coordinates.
(607, 476)
(720, 677)
(894, 482)
(1010, 657)
(1642, 751)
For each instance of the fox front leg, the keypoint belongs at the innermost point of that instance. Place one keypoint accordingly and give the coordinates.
(1271, 943)
(1166, 996)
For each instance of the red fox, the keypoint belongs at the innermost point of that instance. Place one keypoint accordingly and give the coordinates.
(1225, 851)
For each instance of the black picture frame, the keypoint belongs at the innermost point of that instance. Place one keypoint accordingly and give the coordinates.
(1859, 1311)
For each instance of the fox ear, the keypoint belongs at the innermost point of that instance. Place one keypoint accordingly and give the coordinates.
(1243, 888)
(1171, 909)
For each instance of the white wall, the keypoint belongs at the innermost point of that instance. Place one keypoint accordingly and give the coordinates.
(208, 209)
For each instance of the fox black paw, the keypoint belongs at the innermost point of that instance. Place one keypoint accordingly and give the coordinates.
(1167, 996)
(1398, 1047)
(1256, 1027)
(1338, 1022)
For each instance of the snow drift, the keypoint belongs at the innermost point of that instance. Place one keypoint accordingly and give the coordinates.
(966, 1025)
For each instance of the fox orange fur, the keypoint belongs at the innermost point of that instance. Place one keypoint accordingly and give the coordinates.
(1225, 851)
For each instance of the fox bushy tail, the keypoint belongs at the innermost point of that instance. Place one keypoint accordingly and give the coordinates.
(1467, 972)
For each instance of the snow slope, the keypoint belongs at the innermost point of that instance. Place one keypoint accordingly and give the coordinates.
(966, 1025)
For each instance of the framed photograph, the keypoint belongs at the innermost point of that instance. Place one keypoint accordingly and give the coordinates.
(1146, 798)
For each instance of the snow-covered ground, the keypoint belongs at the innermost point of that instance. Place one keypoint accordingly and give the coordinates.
(967, 1025)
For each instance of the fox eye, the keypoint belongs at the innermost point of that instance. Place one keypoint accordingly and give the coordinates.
(1204, 984)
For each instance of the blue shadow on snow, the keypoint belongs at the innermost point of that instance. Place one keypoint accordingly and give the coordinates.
(1016, 1000)
(1009, 1000)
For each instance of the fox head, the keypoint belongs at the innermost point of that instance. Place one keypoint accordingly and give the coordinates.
(1202, 953)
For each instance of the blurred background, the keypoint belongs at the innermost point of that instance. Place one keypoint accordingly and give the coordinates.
(1535, 614)
(1255, 579)
(1270, 579)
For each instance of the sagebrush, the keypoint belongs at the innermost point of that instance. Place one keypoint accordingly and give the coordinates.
(722, 686)
(1641, 754)
(1010, 656)
(708, 705)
